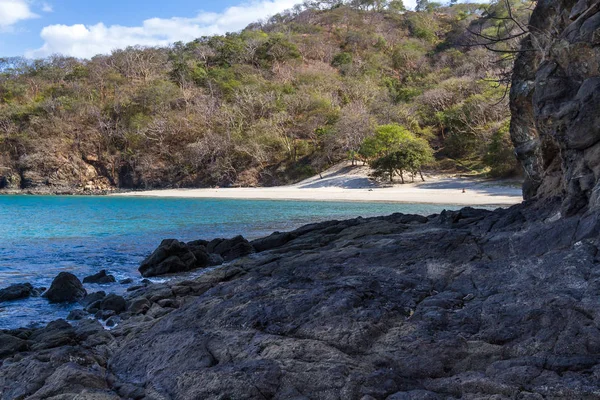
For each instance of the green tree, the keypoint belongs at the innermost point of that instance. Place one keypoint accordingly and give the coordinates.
(395, 150)
(396, 6)
(386, 140)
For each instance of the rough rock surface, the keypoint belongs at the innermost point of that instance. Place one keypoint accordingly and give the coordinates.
(230, 249)
(174, 256)
(18, 291)
(65, 288)
(100, 278)
(555, 103)
(471, 304)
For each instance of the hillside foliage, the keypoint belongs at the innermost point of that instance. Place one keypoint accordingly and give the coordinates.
(279, 101)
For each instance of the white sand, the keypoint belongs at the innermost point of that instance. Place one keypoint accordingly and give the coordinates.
(346, 183)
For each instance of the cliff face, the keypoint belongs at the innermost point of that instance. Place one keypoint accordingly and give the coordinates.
(555, 104)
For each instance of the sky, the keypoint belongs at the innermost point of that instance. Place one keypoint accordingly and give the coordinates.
(40, 28)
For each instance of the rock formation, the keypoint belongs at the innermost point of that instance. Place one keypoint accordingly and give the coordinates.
(555, 104)
(19, 291)
(100, 278)
(65, 288)
(471, 304)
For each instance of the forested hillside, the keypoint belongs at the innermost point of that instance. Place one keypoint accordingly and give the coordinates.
(277, 102)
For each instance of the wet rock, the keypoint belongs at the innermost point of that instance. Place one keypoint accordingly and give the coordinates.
(126, 281)
(113, 321)
(114, 303)
(105, 314)
(100, 278)
(77, 315)
(17, 291)
(65, 288)
(173, 256)
(92, 298)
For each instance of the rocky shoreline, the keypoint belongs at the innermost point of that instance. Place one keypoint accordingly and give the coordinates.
(466, 304)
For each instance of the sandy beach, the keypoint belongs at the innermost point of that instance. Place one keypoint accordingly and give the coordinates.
(346, 183)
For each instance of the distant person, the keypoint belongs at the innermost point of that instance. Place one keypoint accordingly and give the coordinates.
(464, 191)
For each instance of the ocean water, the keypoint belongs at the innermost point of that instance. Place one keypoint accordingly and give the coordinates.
(41, 236)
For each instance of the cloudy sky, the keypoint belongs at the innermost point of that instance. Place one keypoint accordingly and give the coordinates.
(38, 28)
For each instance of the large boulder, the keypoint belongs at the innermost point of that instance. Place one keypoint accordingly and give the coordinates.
(65, 288)
(230, 249)
(17, 291)
(174, 256)
(115, 303)
(100, 278)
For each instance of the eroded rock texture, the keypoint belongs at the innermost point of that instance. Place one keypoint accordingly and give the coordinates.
(555, 103)
(463, 305)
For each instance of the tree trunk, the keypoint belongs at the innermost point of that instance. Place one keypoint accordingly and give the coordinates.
(402, 177)
(421, 173)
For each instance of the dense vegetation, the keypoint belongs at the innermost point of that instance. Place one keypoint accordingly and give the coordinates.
(277, 102)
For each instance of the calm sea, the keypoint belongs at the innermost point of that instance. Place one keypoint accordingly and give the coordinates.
(41, 236)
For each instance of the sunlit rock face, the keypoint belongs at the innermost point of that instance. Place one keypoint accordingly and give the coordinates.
(555, 104)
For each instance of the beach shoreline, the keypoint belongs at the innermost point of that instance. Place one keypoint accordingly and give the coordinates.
(352, 183)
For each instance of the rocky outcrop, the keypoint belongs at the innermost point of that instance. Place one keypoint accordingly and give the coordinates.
(19, 291)
(100, 278)
(555, 104)
(470, 304)
(230, 249)
(65, 288)
(173, 256)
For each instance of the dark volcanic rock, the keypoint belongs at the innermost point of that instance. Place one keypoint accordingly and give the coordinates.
(77, 315)
(65, 288)
(17, 291)
(230, 249)
(276, 239)
(174, 256)
(10, 345)
(114, 303)
(100, 278)
(468, 304)
(555, 98)
(92, 298)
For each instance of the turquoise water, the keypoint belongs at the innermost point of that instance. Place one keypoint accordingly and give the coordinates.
(41, 236)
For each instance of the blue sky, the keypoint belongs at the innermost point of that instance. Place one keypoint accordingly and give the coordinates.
(39, 28)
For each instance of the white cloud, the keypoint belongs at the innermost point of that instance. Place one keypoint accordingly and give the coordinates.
(13, 11)
(47, 7)
(86, 41)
